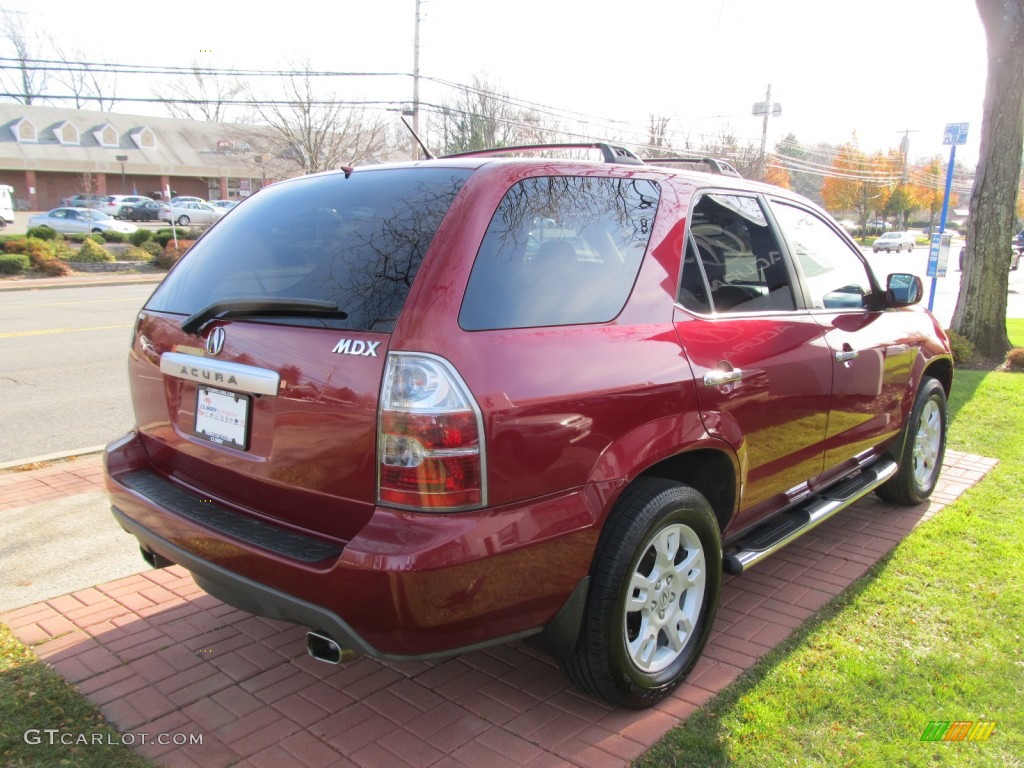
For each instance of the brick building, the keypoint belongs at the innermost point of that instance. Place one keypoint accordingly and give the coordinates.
(49, 153)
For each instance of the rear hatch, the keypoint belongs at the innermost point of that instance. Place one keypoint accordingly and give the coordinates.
(256, 365)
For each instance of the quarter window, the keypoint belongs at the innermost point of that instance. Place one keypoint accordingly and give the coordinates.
(835, 276)
(560, 251)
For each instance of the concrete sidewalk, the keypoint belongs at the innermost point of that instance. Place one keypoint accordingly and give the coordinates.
(158, 655)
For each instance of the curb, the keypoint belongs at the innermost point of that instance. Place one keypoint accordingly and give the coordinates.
(51, 457)
(88, 282)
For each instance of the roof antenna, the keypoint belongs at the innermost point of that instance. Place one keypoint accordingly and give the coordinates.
(427, 152)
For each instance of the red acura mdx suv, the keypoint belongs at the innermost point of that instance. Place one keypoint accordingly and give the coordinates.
(427, 407)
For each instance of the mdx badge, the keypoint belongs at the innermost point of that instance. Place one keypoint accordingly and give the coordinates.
(215, 341)
(356, 347)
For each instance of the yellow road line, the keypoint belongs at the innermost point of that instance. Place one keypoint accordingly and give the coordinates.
(61, 330)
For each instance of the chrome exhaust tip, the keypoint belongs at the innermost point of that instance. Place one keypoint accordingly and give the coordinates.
(323, 647)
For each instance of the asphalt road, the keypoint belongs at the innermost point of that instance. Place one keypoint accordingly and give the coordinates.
(63, 369)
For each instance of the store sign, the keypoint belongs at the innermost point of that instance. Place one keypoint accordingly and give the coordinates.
(228, 145)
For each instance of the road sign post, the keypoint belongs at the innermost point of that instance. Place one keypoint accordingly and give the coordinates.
(955, 133)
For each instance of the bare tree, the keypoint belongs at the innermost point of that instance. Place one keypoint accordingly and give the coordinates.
(980, 313)
(27, 81)
(201, 95)
(482, 116)
(310, 133)
(88, 86)
(658, 143)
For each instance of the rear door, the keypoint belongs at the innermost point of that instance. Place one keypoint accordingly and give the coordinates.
(762, 367)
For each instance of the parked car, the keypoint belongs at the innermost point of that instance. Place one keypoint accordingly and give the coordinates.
(227, 205)
(894, 241)
(115, 205)
(415, 420)
(6, 205)
(1019, 242)
(150, 210)
(71, 220)
(180, 200)
(186, 213)
(84, 201)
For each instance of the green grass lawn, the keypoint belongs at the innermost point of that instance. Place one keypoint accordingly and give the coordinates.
(935, 631)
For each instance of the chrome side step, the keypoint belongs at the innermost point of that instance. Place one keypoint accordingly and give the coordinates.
(769, 538)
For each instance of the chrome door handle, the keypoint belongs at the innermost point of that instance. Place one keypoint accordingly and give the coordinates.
(718, 377)
(845, 356)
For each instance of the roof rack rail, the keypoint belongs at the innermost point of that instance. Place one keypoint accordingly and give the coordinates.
(719, 167)
(611, 153)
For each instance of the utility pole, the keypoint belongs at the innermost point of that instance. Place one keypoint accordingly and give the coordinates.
(905, 150)
(416, 84)
(767, 109)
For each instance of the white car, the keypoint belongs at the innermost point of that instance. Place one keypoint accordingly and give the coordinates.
(894, 241)
(184, 214)
(227, 205)
(113, 206)
(71, 220)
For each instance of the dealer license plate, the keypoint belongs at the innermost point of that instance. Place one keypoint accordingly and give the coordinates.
(223, 417)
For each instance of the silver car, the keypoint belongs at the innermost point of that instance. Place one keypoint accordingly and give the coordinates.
(71, 220)
(184, 214)
(894, 241)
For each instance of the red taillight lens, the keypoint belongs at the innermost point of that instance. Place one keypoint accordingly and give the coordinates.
(429, 440)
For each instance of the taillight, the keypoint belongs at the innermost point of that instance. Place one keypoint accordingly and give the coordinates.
(429, 437)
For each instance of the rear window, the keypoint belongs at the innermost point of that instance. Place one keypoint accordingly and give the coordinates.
(356, 241)
(560, 250)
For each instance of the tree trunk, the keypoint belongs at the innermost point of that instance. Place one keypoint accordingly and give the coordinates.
(980, 313)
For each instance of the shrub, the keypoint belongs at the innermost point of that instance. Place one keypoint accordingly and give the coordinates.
(52, 267)
(171, 254)
(1015, 359)
(93, 252)
(112, 236)
(81, 237)
(961, 346)
(13, 263)
(62, 250)
(152, 248)
(42, 233)
(163, 236)
(135, 253)
(140, 236)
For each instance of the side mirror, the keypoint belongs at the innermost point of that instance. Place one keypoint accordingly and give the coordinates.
(903, 289)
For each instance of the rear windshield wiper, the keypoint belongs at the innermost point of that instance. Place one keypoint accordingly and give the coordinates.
(261, 307)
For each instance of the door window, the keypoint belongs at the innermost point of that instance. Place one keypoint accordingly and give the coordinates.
(835, 275)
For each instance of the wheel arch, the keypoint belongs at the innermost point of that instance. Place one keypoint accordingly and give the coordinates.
(713, 473)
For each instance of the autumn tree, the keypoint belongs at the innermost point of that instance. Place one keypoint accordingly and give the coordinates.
(794, 155)
(776, 173)
(858, 183)
(980, 313)
(927, 189)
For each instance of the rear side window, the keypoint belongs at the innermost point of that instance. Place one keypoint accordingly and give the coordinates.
(356, 241)
(560, 250)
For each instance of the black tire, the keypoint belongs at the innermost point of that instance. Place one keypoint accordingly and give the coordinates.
(623, 654)
(183, 221)
(924, 447)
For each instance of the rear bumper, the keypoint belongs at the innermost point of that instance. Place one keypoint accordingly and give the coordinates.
(407, 586)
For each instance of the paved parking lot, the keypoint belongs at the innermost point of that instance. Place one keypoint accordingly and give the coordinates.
(159, 656)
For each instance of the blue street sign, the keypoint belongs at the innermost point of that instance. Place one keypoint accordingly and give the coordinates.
(955, 133)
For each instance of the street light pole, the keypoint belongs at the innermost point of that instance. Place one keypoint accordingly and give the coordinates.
(767, 109)
(122, 159)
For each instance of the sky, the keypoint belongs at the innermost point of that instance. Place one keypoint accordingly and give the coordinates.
(876, 68)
